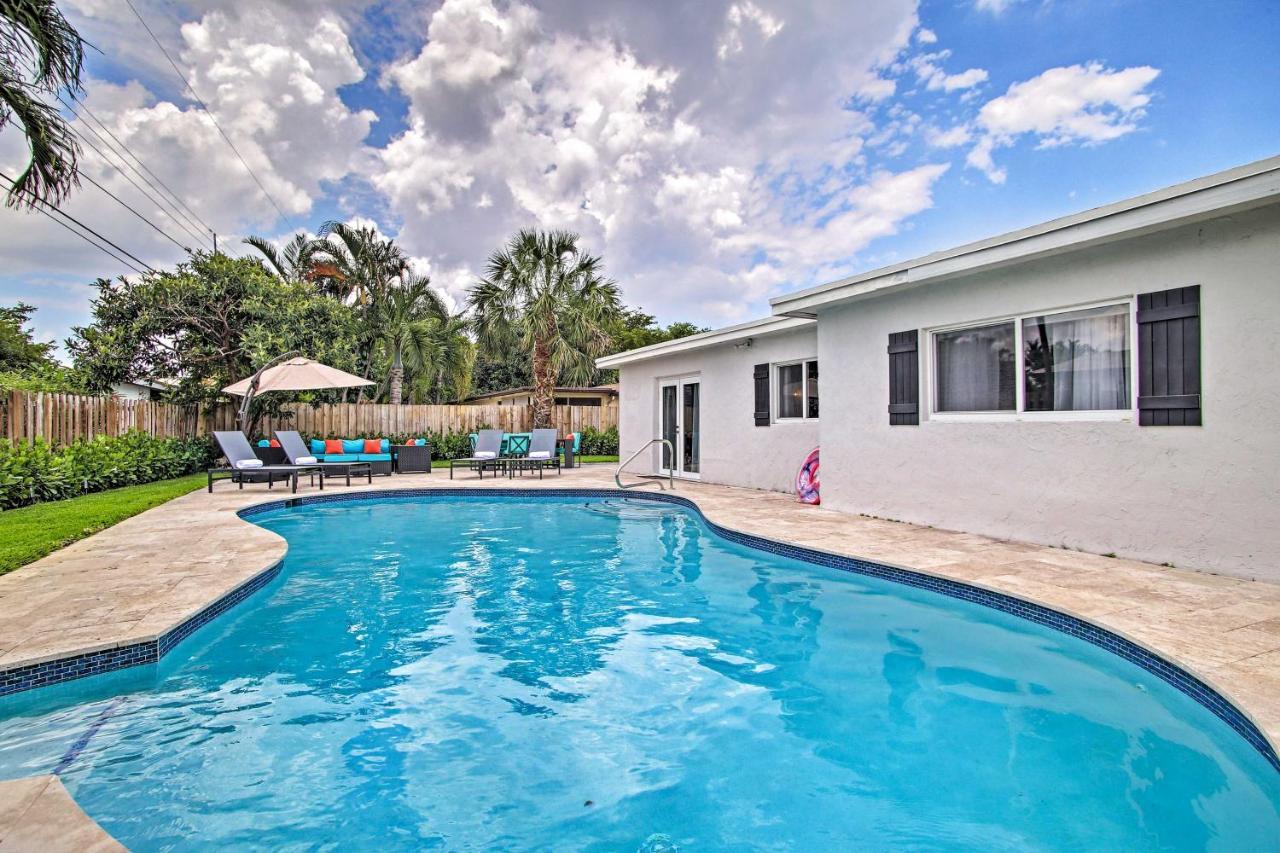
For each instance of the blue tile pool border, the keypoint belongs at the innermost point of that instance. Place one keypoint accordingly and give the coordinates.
(92, 663)
(43, 674)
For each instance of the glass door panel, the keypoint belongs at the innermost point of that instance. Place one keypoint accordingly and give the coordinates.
(670, 421)
(689, 428)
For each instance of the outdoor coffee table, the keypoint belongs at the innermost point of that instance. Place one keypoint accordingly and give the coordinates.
(341, 469)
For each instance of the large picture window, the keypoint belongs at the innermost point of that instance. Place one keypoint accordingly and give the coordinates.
(1073, 361)
(798, 391)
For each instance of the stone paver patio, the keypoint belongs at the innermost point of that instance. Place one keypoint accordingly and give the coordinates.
(146, 575)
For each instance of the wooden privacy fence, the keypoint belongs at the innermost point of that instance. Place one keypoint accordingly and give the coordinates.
(63, 418)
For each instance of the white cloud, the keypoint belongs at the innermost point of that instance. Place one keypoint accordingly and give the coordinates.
(960, 134)
(926, 36)
(1076, 104)
(271, 79)
(995, 7)
(935, 78)
(739, 18)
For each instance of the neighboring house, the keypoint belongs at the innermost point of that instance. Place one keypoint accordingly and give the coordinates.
(595, 395)
(1106, 381)
(140, 389)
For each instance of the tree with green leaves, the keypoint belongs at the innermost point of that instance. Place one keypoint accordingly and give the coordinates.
(545, 298)
(406, 319)
(41, 56)
(18, 347)
(211, 322)
(295, 262)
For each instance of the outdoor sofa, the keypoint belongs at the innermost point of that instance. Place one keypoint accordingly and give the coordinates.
(376, 451)
(296, 450)
(243, 465)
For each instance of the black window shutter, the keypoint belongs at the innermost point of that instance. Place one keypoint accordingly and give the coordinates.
(762, 394)
(1169, 357)
(904, 378)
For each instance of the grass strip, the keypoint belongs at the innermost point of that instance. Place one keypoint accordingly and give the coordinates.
(30, 532)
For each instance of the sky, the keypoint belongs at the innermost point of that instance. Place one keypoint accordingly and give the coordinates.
(714, 153)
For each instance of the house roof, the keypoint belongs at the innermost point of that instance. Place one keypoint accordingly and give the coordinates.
(607, 390)
(1244, 187)
(729, 334)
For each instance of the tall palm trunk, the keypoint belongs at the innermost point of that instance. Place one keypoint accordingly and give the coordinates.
(396, 391)
(544, 385)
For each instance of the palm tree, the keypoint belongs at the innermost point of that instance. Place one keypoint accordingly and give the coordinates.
(296, 262)
(545, 298)
(447, 375)
(358, 263)
(40, 55)
(406, 321)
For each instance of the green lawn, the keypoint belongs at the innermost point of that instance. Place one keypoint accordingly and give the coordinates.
(30, 532)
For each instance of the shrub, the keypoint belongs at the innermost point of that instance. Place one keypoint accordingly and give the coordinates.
(599, 442)
(34, 473)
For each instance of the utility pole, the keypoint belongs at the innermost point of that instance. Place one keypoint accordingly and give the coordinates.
(215, 240)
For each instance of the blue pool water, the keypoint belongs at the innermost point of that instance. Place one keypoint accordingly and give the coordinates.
(607, 674)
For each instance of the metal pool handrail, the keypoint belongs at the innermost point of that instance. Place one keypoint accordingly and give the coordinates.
(671, 481)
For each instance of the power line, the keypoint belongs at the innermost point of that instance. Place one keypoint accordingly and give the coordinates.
(160, 203)
(121, 150)
(137, 214)
(174, 195)
(208, 112)
(88, 239)
(69, 217)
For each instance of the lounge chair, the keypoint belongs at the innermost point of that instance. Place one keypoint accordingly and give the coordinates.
(487, 453)
(542, 454)
(243, 465)
(296, 451)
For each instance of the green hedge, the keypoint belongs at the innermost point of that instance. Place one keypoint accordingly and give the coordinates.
(34, 473)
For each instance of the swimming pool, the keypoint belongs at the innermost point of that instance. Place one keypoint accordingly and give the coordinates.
(581, 672)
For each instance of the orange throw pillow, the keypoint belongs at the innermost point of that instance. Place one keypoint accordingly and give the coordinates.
(373, 445)
(333, 447)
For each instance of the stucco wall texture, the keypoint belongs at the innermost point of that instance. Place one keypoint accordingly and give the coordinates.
(1199, 497)
(734, 450)
(1204, 497)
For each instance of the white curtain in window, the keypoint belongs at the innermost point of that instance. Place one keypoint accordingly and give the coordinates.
(1078, 361)
(975, 369)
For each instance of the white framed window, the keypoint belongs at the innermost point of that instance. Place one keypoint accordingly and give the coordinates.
(797, 391)
(1075, 363)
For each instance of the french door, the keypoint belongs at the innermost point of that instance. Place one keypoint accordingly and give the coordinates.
(680, 400)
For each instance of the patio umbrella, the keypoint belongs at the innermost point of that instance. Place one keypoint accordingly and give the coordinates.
(291, 373)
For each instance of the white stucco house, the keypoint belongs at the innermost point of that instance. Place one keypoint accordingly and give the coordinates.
(1106, 381)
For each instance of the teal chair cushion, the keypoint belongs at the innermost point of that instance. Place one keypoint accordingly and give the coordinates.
(375, 457)
(340, 457)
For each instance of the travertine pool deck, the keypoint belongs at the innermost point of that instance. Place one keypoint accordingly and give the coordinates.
(146, 575)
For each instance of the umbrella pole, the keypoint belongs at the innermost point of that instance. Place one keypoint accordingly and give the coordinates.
(242, 417)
